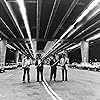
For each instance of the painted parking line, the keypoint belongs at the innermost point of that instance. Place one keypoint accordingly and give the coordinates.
(8, 75)
(50, 91)
(54, 98)
(2, 95)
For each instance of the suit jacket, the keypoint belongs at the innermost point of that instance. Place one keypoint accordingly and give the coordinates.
(53, 66)
(39, 66)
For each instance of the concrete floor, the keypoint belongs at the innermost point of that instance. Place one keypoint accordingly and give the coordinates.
(81, 85)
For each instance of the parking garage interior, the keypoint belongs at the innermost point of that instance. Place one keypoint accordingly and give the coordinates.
(49, 27)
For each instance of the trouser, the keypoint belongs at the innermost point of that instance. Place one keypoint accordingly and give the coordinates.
(53, 72)
(64, 73)
(28, 76)
(41, 72)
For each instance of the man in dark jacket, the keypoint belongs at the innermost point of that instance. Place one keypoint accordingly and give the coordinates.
(39, 65)
(53, 64)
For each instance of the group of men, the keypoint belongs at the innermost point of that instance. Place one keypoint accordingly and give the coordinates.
(61, 61)
(55, 61)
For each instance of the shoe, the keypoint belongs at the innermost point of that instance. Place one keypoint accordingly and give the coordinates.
(37, 81)
(23, 81)
(29, 82)
(63, 81)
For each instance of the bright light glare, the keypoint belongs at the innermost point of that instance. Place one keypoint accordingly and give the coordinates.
(70, 28)
(94, 37)
(75, 46)
(11, 47)
(11, 12)
(23, 12)
(91, 6)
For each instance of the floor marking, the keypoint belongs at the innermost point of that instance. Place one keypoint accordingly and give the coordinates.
(50, 91)
(54, 98)
(2, 95)
(8, 75)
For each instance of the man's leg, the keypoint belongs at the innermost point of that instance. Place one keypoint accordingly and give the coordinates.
(42, 75)
(66, 79)
(55, 74)
(62, 74)
(37, 75)
(24, 74)
(28, 74)
(51, 74)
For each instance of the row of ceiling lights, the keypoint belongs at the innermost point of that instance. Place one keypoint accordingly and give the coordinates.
(23, 12)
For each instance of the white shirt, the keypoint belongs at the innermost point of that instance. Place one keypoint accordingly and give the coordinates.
(39, 61)
(62, 61)
(26, 62)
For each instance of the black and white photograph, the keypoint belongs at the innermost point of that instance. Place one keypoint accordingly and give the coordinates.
(49, 49)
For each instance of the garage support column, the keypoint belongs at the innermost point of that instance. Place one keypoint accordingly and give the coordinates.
(22, 57)
(85, 51)
(65, 52)
(2, 51)
(17, 56)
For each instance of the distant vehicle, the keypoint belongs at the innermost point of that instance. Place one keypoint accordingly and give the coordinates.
(2, 69)
(84, 65)
(11, 66)
(96, 66)
(73, 65)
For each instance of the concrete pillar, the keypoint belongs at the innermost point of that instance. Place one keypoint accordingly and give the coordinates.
(17, 56)
(65, 52)
(2, 51)
(85, 51)
(22, 57)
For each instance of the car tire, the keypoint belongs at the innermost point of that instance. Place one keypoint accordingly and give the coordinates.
(95, 69)
(88, 69)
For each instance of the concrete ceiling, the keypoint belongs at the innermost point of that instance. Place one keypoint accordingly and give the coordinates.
(48, 20)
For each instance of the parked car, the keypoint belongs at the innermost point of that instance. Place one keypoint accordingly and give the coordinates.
(10, 66)
(73, 65)
(84, 65)
(2, 69)
(96, 66)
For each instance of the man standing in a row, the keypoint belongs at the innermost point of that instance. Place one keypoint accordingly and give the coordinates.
(26, 66)
(53, 63)
(64, 61)
(39, 65)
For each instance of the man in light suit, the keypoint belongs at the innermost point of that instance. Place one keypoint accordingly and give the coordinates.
(26, 66)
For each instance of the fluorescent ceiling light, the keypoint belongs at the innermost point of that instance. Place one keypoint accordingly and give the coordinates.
(20, 52)
(90, 7)
(7, 27)
(11, 47)
(73, 47)
(94, 37)
(11, 12)
(25, 19)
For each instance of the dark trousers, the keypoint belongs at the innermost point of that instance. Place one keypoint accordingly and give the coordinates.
(53, 72)
(28, 76)
(41, 72)
(64, 74)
